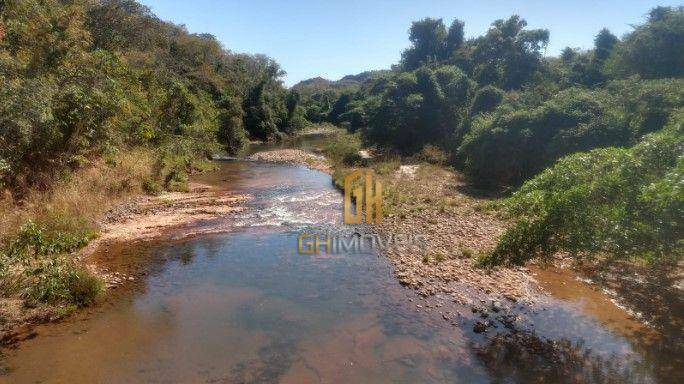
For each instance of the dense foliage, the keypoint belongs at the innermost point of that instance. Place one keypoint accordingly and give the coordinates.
(524, 140)
(619, 202)
(504, 114)
(99, 98)
(496, 97)
(594, 137)
(81, 78)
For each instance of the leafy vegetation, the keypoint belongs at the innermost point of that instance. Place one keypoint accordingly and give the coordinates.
(100, 100)
(36, 266)
(583, 133)
(343, 149)
(103, 99)
(615, 202)
(526, 140)
(80, 78)
(41, 231)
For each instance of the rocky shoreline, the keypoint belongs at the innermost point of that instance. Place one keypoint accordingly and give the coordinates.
(293, 157)
(458, 226)
(148, 218)
(429, 200)
(143, 218)
(457, 230)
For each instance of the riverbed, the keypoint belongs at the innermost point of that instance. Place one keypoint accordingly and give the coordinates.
(236, 302)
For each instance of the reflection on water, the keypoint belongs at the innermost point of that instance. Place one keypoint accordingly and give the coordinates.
(243, 306)
(246, 309)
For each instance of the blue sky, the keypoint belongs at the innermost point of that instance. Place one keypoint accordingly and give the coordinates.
(336, 38)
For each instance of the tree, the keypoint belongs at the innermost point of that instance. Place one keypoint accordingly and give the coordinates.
(260, 119)
(508, 55)
(455, 38)
(568, 55)
(417, 108)
(604, 43)
(427, 37)
(653, 49)
(231, 132)
(82, 78)
(339, 107)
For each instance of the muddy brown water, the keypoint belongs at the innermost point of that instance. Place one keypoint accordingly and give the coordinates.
(242, 306)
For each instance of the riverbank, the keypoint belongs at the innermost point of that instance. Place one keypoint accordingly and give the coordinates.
(49, 271)
(501, 312)
(436, 202)
(421, 198)
(461, 223)
(293, 157)
(439, 204)
(167, 215)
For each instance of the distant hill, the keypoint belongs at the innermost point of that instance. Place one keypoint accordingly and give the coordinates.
(363, 76)
(319, 83)
(316, 82)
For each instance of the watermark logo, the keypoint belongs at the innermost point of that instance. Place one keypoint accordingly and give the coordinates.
(362, 189)
(362, 199)
(317, 243)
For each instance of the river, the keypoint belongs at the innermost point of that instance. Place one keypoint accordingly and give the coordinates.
(243, 306)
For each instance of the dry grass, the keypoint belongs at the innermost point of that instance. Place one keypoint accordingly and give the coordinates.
(39, 276)
(74, 204)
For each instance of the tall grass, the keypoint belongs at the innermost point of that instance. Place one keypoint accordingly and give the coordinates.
(75, 202)
(40, 232)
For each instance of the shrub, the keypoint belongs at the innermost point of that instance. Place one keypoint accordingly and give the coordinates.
(486, 100)
(387, 167)
(646, 105)
(36, 266)
(151, 187)
(653, 49)
(83, 287)
(432, 154)
(517, 142)
(344, 149)
(338, 177)
(625, 203)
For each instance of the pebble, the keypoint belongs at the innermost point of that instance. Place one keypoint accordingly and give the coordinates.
(479, 327)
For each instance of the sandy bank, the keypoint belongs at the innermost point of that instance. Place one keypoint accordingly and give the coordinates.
(294, 157)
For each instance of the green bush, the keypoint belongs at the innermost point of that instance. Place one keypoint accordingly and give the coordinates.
(344, 149)
(83, 287)
(517, 142)
(413, 109)
(338, 177)
(621, 203)
(36, 266)
(387, 167)
(653, 49)
(151, 187)
(486, 100)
